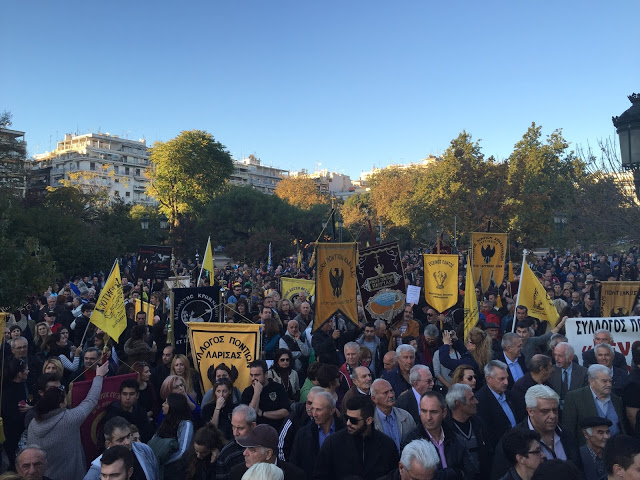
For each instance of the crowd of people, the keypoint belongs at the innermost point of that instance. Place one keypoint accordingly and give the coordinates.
(409, 400)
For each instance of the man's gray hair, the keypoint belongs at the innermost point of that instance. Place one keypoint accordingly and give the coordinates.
(414, 373)
(351, 346)
(539, 392)
(248, 412)
(423, 452)
(405, 348)
(431, 331)
(606, 346)
(327, 397)
(555, 339)
(603, 330)
(457, 393)
(375, 383)
(569, 351)
(490, 367)
(509, 339)
(263, 471)
(33, 446)
(13, 341)
(595, 369)
(377, 323)
(315, 390)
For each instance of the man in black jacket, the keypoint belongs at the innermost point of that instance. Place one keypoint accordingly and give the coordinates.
(454, 460)
(470, 429)
(494, 401)
(542, 409)
(359, 449)
(323, 342)
(310, 438)
(512, 356)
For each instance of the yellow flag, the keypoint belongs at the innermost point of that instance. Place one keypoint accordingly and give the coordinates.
(292, 287)
(299, 258)
(109, 314)
(533, 296)
(471, 314)
(207, 261)
(511, 277)
(441, 280)
(147, 308)
(488, 256)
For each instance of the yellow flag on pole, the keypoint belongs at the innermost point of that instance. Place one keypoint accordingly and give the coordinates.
(471, 314)
(150, 310)
(533, 296)
(511, 277)
(109, 314)
(207, 261)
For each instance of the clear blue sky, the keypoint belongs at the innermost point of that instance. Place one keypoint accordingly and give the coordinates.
(349, 84)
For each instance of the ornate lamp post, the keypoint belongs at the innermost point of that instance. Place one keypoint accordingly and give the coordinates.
(628, 129)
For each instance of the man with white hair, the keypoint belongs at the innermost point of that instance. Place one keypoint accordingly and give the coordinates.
(351, 351)
(419, 460)
(362, 380)
(566, 375)
(543, 414)
(469, 427)
(31, 463)
(603, 336)
(399, 376)
(596, 400)
(604, 356)
(388, 419)
(495, 405)
(310, 438)
(596, 433)
(421, 380)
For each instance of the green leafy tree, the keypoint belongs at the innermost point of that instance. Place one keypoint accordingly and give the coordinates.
(301, 192)
(187, 172)
(541, 180)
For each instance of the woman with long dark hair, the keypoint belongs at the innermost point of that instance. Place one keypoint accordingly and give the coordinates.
(55, 426)
(207, 444)
(148, 398)
(218, 411)
(173, 437)
(282, 372)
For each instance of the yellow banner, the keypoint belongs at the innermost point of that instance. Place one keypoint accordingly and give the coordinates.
(234, 344)
(488, 257)
(471, 314)
(207, 261)
(533, 296)
(336, 282)
(441, 281)
(292, 287)
(617, 298)
(109, 314)
(147, 308)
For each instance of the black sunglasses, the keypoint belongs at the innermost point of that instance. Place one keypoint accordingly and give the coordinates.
(352, 420)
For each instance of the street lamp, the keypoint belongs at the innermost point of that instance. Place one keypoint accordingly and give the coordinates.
(144, 222)
(163, 221)
(560, 219)
(628, 130)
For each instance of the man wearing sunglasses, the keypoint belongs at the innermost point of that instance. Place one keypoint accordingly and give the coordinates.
(359, 449)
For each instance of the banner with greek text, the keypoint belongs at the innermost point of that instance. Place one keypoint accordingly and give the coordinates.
(624, 330)
(336, 282)
(618, 298)
(381, 281)
(200, 304)
(292, 287)
(234, 344)
(91, 429)
(441, 281)
(488, 255)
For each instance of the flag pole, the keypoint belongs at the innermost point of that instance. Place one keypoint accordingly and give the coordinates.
(524, 259)
(202, 268)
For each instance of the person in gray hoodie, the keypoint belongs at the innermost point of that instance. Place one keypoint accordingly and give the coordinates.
(56, 426)
(117, 431)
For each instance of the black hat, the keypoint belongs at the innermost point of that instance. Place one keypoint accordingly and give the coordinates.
(261, 436)
(589, 422)
(50, 313)
(485, 325)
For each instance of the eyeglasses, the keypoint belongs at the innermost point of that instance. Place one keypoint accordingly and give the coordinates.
(431, 314)
(284, 360)
(537, 451)
(471, 377)
(352, 420)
